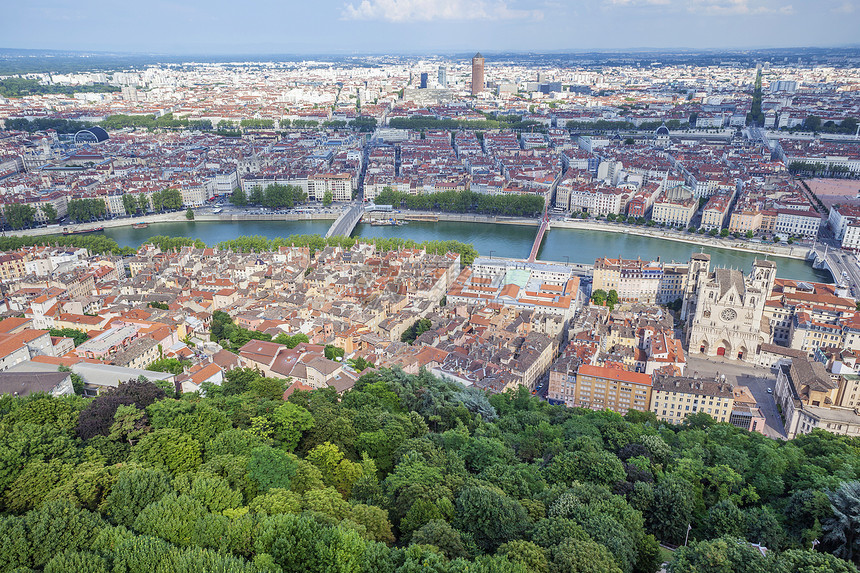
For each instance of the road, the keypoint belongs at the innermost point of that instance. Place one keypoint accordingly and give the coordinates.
(843, 265)
(756, 378)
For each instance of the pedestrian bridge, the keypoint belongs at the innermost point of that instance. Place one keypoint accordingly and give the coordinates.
(345, 224)
(544, 227)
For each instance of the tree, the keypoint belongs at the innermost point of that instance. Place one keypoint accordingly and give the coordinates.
(582, 556)
(332, 352)
(134, 490)
(170, 365)
(796, 560)
(612, 299)
(327, 198)
(336, 470)
(290, 422)
(360, 364)
(189, 214)
(525, 553)
(173, 518)
(19, 215)
(725, 519)
(671, 510)
(721, 555)
(85, 210)
(98, 417)
(291, 341)
(130, 424)
(418, 328)
(439, 533)
(491, 517)
(58, 526)
(271, 468)
(82, 561)
(49, 211)
(78, 336)
(168, 449)
(239, 198)
(843, 529)
(598, 297)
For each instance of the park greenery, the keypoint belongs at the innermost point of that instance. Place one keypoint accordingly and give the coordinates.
(166, 243)
(79, 336)
(407, 473)
(170, 365)
(814, 123)
(86, 210)
(61, 126)
(96, 244)
(315, 243)
(19, 215)
(20, 87)
(418, 328)
(818, 169)
(232, 337)
(150, 122)
(513, 205)
(275, 196)
(602, 298)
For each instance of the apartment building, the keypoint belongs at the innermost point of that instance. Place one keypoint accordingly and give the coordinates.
(340, 185)
(676, 207)
(716, 211)
(634, 280)
(743, 220)
(797, 222)
(673, 398)
(601, 387)
(808, 397)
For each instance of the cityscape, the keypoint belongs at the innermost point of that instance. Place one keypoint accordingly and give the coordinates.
(506, 305)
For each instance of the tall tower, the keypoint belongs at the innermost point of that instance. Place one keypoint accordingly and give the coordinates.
(443, 77)
(697, 274)
(477, 74)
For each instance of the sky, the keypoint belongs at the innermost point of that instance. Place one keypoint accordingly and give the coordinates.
(422, 26)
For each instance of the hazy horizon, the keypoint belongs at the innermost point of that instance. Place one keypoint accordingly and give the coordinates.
(410, 27)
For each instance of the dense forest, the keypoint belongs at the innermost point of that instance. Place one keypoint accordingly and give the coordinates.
(406, 473)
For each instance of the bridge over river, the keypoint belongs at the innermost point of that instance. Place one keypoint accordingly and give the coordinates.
(345, 224)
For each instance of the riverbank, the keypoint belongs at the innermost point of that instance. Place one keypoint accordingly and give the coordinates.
(235, 217)
(109, 224)
(787, 251)
(175, 217)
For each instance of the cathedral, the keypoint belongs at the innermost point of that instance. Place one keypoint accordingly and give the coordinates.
(724, 309)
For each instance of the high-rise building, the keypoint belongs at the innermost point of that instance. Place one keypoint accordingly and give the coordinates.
(443, 77)
(477, 74)
(423, 84)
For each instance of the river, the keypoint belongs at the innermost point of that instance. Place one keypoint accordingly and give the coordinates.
(514, 241)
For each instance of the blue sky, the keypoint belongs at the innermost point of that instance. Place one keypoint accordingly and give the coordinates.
(410, 26)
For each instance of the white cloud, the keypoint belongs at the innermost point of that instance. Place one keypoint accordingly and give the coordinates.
(844, 8)
(734, 7)
(711, 7)
(639, 2)
(427, 10)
